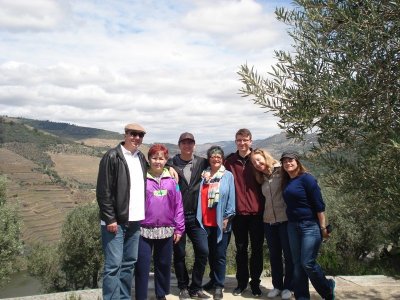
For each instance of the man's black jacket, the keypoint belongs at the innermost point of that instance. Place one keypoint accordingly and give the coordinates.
(190, 190)
(113, 186)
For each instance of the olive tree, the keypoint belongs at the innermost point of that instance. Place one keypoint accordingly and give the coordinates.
(80, 247)
(76, 261)
(341, 81)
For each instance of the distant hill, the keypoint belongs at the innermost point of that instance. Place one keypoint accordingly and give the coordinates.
(275, 144)
(68, 131)
(102, 139)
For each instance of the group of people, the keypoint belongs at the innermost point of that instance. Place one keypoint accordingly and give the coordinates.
(149, 207)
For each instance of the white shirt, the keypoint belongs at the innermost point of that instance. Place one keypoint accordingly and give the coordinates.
(136, 200)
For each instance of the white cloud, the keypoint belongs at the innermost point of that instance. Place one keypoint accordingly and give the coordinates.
(19, 15)
(169, 65)
(239, 24)
(224, 17)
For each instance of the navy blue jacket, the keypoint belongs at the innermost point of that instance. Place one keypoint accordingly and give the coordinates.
(303, 198)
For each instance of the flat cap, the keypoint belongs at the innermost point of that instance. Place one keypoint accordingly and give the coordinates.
(134, 127)
(186, 136)
(290, 154)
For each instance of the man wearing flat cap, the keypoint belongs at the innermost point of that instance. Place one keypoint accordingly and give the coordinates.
(189, 168)
(120, 195)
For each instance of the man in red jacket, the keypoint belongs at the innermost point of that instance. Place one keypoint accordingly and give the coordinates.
(248, 221)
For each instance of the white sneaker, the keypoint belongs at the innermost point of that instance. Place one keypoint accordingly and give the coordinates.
(273, 293)
(286, 294)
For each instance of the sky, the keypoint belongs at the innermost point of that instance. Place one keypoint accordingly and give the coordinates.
(169, 65)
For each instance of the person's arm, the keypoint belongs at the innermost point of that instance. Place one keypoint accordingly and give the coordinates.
(170, 167)
(103, 194)
(179, 215)
(173, 173)
(315, 196)
(322, 225)
(230, 208)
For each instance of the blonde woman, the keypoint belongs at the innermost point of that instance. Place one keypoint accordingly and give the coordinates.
(268, 173)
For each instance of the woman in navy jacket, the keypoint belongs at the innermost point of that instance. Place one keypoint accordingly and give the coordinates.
(306, 228)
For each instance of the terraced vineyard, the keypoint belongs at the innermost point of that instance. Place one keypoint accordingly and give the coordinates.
(43, 204)
(79, 168)
(51, 168)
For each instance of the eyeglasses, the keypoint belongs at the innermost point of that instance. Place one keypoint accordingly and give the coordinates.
(136, 133)
(215, 157)
(242, 140)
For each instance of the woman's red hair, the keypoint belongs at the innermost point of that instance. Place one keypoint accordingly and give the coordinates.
(156, 148)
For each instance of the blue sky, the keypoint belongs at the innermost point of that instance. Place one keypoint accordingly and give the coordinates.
(168, 65)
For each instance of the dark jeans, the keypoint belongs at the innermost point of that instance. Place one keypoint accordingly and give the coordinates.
(162, 255)
(120, 255)
(217, 255)
(278, 243)
(198, 236)
(244, 226)
(305, 240)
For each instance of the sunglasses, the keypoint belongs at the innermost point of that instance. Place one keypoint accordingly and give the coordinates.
(135, 133)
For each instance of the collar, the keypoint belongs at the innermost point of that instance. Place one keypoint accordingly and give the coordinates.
(164, 174)
(127, 152)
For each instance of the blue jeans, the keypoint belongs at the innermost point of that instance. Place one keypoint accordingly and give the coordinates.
(244, 226)
(278, 243)
(217, 255)
(198, 236)
(120, 255)
(162, 256)
(305, 240)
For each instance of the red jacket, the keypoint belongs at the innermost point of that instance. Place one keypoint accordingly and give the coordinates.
(249, 198)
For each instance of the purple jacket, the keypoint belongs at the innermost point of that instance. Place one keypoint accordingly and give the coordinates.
(163, 207)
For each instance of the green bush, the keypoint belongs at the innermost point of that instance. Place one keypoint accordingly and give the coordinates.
(76, 262)
(10, 237)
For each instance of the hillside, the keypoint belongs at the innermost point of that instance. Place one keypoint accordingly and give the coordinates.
(48, 175)
(43, 203)
(52, 167)
(275, 144)
(69, 131)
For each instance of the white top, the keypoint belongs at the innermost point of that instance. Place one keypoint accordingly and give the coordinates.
(136, 201)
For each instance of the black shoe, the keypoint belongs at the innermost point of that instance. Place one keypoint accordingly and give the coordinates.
(209, 286)
(238, 291)
(161, 298)
(331, 296)
(184, 294)
(198, 295)
(255, 290)
(218, 293)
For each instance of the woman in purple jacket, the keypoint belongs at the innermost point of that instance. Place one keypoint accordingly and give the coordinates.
(163, 225)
